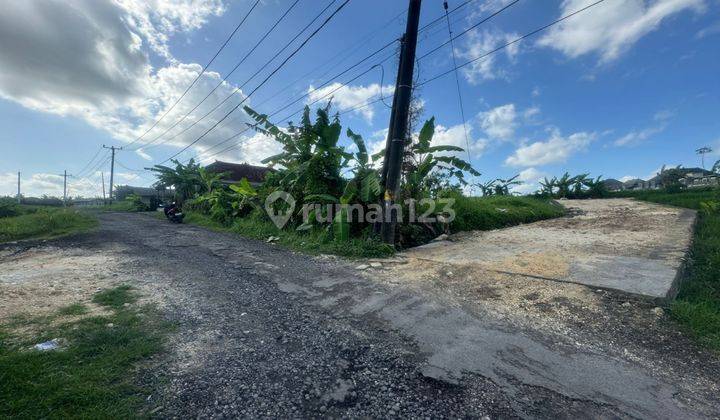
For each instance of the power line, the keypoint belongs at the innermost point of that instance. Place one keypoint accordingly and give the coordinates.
(457, 82)
(516, 40)
(237, 65)
(507, 6)
(90, 161)
(455, 68)
(280, 66)
(200, 74)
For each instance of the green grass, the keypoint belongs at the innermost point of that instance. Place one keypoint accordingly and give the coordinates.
(313, 242)
(115, 298)
(44, 223)
(472, 214)
(485, 213)
(74, 309)
(688, 198)
(697, 306)
(94, 375)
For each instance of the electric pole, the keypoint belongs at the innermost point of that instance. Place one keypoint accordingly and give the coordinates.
(18, 195)
(399, 124)
(112, 168)
(102, 177)
(702, 151)
(65, 188)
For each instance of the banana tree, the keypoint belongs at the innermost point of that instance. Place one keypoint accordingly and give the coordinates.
(421, 159)
(502, 186)
(547, 186)
(184, 179)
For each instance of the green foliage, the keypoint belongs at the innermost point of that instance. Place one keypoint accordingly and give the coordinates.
(498, 186)
(9, 208)
(716, 167)
(93, 376)
(226, 204)
(315, 241)
(135, 203)
(185, 180)
(421, 161)
(690, 198)
(574, 187)
(45, 223)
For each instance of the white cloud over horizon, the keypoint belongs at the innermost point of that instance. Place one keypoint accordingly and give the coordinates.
(351, 96)
(556, 149)
(611, 28)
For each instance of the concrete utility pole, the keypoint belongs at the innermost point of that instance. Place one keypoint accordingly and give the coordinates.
(399, 124)
(65, 187)
(18, 195)
(102, 177)
(112, 168)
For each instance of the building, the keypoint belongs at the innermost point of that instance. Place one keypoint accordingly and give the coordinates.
(235, 172)
(688, 177)
(613, 184)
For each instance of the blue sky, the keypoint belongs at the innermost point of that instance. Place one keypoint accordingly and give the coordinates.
(618, 90)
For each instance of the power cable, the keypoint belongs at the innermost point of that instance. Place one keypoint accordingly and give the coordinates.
(237, 65)
(200, 74)
(280, 66)
(457, 83)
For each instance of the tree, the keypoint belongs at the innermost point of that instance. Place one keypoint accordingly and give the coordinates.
(702, 152)
(716, 167)
(184, 179)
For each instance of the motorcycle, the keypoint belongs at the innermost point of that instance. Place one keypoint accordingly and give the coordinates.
(173, 213)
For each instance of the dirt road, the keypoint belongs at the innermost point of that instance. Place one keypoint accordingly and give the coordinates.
(263, 331)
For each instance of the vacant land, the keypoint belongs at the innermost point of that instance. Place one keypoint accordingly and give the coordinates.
(698, 303)
(265, 332)
(93, 371)
(26, 222)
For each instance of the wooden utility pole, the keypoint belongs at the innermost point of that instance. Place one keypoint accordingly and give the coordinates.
(112, 168)
(399, 124)
(18, 194)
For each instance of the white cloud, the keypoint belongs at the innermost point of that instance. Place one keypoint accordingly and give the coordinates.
(480, 43)
(713, 29)
(347, 97)
(556, 149)
(142, 154)
(251, 149)
(455, 136)
(635, 137)
(612, 27)
(106, 78)
(499, 122)
(627, 178)
(530, 178)
(39, 184)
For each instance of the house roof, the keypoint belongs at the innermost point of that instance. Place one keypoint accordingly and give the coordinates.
(612, 183)
(633, 181)
(238, 171)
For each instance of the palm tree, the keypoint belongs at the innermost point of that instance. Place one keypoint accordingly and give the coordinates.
(702, 152)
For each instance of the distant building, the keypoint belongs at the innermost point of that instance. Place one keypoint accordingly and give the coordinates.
(235, 172)
(613, 184)
(689, 177)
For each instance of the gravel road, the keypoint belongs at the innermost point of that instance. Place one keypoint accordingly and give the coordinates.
(265, 332)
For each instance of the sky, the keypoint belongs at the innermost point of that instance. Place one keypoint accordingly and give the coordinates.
(617, 90)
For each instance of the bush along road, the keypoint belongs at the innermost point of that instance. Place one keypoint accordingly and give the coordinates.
(262, 331)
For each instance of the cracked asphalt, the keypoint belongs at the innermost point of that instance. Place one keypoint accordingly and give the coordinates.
(266, 332)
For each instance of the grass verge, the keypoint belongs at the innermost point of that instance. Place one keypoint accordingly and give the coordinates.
(471, 214)
(93, 374)
(45, 223)
(486, 213)
(313, 242)
(697, 306)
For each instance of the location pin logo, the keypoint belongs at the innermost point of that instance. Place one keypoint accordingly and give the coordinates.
(280, 219)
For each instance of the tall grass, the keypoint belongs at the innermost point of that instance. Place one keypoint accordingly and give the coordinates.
(44, 223)
(485, 213)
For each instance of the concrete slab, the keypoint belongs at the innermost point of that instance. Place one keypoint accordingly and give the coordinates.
(621, 244)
